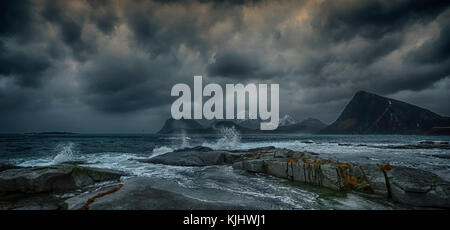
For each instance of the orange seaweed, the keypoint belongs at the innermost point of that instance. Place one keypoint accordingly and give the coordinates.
(385, 166)
(92, 199)
(292, 160)
(352, 180)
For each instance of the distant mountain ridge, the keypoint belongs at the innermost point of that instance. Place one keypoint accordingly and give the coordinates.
(368, 113)
(287, 120)
(287, 125)
(310, 125)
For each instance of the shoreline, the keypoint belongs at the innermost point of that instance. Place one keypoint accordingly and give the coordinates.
(283, 164)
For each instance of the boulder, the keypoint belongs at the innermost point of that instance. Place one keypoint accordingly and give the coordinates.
(418, 188)
(56, 178)
(197, 156)
(376, 179)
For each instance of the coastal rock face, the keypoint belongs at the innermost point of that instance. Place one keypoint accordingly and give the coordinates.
(406, 185)
(409, 186)
(368, 113)
(57, 178)
(197, 156)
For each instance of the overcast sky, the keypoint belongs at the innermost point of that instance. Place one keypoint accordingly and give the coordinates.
(108, 66)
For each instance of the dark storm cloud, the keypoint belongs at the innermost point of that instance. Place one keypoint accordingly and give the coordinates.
(145, 32)
(15, 17)
(234, 65)
(436, 50)
(215, 2)
(26, 68)
(104, 15)
(373, 51)
(237, 65)
(353, 41)
(361, 56)
(70, 26)
(159, 26)
(115, 84)
(109, 60)
(373, 19)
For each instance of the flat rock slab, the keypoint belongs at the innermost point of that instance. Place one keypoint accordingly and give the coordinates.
(56, 178)
(143, 193)
(419, 188)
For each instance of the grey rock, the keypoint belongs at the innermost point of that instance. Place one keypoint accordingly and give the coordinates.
(197, 156)
(376, 179)
(277, 168)
(409, 186)
(39, 201)
(143, 193)
(251, 166)
(419, 188)
(56, 178)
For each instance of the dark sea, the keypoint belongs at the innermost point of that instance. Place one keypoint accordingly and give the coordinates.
(121, 151)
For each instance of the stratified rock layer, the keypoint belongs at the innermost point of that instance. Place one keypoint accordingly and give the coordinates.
(410, 186)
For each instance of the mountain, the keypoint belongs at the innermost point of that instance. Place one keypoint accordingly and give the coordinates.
(287, 120)
(287, 125)
(179, 126)
(310, 125)
(220, 124)
(249, 123)
(368, 113)
(255, 123)
(172, 126)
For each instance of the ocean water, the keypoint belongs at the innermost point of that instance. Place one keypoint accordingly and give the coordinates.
(120, 151)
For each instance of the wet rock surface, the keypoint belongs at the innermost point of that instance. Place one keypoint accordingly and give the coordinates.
(38, 187)
(410, 186)
(418, 188)
(197, 156)
(56, 178)
(143, 193)
(406, 185)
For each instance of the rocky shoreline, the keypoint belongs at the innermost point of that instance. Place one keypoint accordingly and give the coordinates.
(72, 185)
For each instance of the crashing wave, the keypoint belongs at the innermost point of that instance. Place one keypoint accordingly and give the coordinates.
(66, 153)
(160, 150)
(230, 138)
